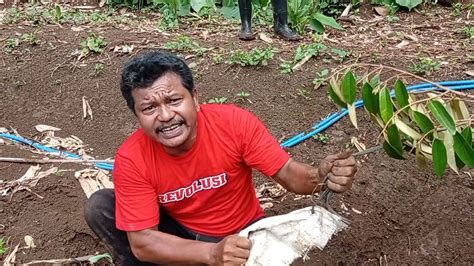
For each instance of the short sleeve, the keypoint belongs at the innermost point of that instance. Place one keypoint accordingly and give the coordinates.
(136, 200)
(260, 150)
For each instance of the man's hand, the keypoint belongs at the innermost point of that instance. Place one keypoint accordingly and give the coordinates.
(340, 169)
(232, 250)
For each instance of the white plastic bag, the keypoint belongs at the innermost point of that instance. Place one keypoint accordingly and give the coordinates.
(279, 240)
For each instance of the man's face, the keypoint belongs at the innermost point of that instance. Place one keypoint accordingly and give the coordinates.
(168, 113)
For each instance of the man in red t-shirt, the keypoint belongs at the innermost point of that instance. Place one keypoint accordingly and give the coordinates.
(183, 181)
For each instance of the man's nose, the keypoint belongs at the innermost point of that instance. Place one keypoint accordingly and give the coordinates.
(166, 114)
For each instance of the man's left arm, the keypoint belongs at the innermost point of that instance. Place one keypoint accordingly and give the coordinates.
(302, 178)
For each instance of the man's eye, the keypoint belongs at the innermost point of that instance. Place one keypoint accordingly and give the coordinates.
(176, 100)
(148, 108)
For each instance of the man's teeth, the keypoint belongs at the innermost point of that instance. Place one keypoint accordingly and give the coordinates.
(173, 127)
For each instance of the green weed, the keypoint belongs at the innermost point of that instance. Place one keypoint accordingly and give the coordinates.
(98, 68)
(302, 51)
(219, 100)
(31, 38)
(340, 55)
(3, 247)
(469, 32)
(303, 93)
(457, 8)
(254, 57)
(11, 44)
(323, 138)
(320, 78)
(184, 43)
(217, 59)
(425, 66)
(93, 44)
(244, 96)
(12, 16)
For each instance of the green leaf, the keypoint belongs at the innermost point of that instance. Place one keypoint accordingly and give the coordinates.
(328, 21)
(316, 25)
(401, 93)
(464, 149)
(198, 4)
(375, 81)
(391, 152)
(386, 106)
(335, 98)
(410, 4)
(424, 123)
(442, 116)
(349, 88)
(467, 134)
(440, 159)
(371, 102)
(407, 129)
(230, 12)
(393, 138)
(451, 155)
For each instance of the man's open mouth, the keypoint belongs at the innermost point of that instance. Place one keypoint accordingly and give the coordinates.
(172, 130)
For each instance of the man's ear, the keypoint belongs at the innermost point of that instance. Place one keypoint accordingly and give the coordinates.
(195, 95)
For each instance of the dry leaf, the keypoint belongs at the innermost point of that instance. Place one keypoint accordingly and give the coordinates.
(265, 38)
(102, 3)
(10, 259)
(124, 49)
(29, 242)
(411, 37)
(359, 145)
(77, 28)
(382, 11)
(470, 73)
(402, 44)
(43, 128)
(356, 211)
(86, 108)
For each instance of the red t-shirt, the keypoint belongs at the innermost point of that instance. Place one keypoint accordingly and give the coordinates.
(209, 189)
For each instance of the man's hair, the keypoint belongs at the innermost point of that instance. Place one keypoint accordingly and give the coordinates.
(143, 70)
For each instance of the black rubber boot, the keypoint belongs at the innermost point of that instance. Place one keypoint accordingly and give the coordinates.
(280, 16)
(245, 9)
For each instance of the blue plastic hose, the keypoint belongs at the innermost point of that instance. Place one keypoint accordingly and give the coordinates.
(317, 128)
(334, 117)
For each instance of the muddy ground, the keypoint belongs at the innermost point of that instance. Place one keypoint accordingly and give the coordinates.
(400, 213)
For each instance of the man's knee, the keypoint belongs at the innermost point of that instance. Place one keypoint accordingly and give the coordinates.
(100, 205)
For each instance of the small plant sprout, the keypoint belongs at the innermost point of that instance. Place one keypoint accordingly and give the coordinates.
(323, 138)
(243, 95)
(303, 53)
(425, 66)
(469, 32)
(93, 44)
(320, 78)
(184, 43)
(219, 100)
(303, 93)
(254, 57)
(339, 54)
(457, 7)
(217, 58)
(31, 38)
(98, 68)
(3, 248)
(11, 44)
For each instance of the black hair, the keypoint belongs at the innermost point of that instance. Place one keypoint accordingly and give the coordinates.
(145, 69)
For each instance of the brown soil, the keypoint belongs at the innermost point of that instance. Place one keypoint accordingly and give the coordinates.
(409, 216)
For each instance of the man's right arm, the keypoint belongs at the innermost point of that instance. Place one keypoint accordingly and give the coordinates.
(157, 247)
